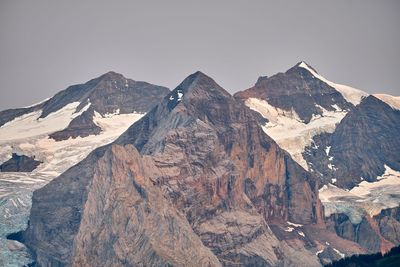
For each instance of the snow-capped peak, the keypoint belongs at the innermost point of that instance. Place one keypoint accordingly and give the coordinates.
(351, 94)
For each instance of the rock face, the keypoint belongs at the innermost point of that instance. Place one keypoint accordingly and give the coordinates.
(297, 90)
(389, 224)
(364, 233)
(363, 143)
(209, 182)
(19, 163)
(134, 224)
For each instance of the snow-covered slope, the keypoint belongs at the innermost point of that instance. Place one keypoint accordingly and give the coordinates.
(291, 133)
(351, 94)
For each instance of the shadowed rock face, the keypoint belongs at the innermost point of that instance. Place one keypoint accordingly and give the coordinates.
(19, 163)
(363, 142)
(369, 233)
(389, 224)
(82, 126)
(296, 89)
(222, 177)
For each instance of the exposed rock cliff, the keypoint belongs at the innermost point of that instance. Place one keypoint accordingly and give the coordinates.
(19, 163)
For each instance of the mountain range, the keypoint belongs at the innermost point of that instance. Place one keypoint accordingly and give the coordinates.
(294, 171)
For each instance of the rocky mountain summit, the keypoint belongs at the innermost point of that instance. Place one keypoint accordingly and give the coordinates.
(19, 163)
(297, 90)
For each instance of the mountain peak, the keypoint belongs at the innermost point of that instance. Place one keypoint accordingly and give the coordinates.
(194, 88)
(111, 75)
(199, 84)
(304, 65)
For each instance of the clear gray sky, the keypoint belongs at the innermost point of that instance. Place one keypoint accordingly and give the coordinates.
(47, 45)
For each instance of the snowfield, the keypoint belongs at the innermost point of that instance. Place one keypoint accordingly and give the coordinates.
(289, 131)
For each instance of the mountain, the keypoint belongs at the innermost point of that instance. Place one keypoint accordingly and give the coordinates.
(110, 93)
(195, 181)
(352, 150)
(298, 91)
(40, 142)
(201, 178)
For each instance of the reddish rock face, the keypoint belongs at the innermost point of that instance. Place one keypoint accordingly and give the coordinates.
(126, 219)
(210, 146)
(209, 181)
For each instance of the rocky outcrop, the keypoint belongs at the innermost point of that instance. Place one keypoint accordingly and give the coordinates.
(363, 143)
(297, 90)
(82, 126)
(19, 163)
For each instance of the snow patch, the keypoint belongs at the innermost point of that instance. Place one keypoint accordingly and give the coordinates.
(351, 94)
(301, 233)
(180, 95)
(327, 150)
(289, 229)
(294, 224)
(339, 253)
